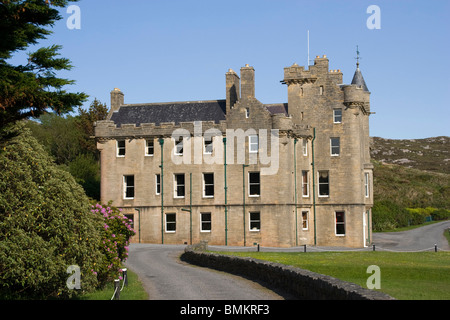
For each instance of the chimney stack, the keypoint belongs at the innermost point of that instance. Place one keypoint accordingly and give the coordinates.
(247, 82)
(117, 99)
(232, 87)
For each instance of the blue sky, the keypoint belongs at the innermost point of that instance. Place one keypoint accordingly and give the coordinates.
(174, 50)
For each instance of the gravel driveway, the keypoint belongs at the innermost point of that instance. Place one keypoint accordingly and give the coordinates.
(414, 240)
(165, 277)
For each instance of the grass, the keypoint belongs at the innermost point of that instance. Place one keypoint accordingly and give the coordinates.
(134, 290)
(404, 276)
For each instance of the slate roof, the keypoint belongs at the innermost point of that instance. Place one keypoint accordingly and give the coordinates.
(187, 111)
(359, 80)
(177, 112)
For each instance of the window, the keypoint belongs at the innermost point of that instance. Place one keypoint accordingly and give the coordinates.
(208, 145)
(158, 184)
(121, 148)
(149, 148)
(171, 222)
(335, 145)
(305, 220)
(247, 113)
(324, 185)
(254, 184)
(255, 221)
(179, 186)
(321, 90)
(337, 116)
(128, 187)
(208, 185)
(253, 144)
(179, 146)
(205, 222)
(366, 184)
(340, 223)
(305, 147)
(305, 184)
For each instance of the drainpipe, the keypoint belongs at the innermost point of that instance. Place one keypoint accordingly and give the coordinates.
(243, 197)
(161, 143)
(225, 188)
(314, 186)
(139, 212)
(295, 190)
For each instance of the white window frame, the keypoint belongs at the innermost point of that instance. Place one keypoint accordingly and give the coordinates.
(305, 221)
(205, 185)
(148, 147)
(333, 147)
(305, 184)
(157, 184)
(166, 223)
(319, 183)
(177, 143)
(202, 221)
(118, 148)
(252, 143)
(126, 187)
(253, 183)
(176, 185)
(253, 221)
(335, 116)
(339, 223)
(208, 143)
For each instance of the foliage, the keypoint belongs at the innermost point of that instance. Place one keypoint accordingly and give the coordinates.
(68, 140)
(45, 224)
(85, 122)
(116, 233)
(28, 90)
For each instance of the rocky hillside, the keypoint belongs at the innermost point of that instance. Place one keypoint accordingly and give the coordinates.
(430, 154)
(412, 173)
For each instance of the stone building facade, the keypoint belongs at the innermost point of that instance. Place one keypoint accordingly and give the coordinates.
(239, 172)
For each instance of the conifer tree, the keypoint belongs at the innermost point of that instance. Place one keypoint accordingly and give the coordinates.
(28, 90)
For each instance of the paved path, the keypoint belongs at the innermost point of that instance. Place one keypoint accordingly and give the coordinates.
(418, 239)
(165, 277)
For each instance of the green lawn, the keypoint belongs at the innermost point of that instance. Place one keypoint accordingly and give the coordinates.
(134, 291)
(405, 276)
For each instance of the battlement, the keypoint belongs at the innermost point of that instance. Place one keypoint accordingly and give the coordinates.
(296, 74)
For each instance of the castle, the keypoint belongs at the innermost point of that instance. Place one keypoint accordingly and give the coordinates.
(239, 172)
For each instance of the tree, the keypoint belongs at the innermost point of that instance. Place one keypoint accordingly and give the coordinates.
(46, 224)
(28, 90)
(85, 121)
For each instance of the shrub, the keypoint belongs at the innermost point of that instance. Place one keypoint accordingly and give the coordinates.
(387, 215)
(45, 224)
(116, 233)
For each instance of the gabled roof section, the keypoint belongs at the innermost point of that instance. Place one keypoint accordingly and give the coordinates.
(187, 111)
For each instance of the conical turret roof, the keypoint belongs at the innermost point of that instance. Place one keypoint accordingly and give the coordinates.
(358, 79)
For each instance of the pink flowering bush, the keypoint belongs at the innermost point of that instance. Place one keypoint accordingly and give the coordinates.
(116, 233)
